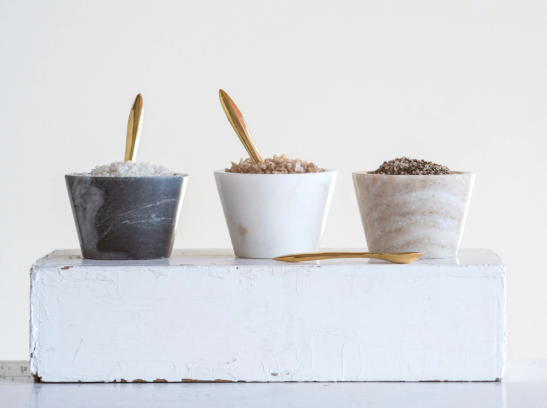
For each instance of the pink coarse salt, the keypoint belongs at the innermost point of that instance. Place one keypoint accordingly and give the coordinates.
(279, 164)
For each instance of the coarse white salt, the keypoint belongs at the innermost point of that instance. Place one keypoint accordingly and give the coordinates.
(130, 169)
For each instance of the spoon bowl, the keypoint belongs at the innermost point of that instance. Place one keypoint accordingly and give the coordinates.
(134, 126)
(240, 126)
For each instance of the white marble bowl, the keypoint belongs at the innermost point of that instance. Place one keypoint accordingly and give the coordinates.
(414, 213)
(270, 215)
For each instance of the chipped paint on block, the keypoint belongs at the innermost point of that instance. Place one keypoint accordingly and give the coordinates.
(207, 316)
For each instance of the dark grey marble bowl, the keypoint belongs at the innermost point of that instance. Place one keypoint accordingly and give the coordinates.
(126, 217)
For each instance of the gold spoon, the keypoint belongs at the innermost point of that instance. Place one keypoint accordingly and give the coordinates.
(134, 126)
(238, 123)
(400, 258)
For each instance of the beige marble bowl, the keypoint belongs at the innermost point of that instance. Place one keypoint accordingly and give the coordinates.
(414, 213)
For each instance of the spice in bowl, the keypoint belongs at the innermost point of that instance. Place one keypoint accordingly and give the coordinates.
(404, 166)
(129, 169)
(279, 164)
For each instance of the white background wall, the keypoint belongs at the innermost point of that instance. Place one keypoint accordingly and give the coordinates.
(347, 84)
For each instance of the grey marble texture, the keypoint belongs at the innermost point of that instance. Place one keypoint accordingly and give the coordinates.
(126, 217)
(414, 213)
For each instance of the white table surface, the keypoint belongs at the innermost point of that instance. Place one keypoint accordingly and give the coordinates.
(525, 385)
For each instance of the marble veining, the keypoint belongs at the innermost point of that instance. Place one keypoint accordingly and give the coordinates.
(126, 217)
(414, 213)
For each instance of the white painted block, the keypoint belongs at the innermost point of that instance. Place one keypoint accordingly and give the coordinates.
(205, 315)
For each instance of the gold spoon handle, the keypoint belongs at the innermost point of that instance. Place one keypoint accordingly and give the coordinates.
(402, 258)
(240, 126)
(134, 126)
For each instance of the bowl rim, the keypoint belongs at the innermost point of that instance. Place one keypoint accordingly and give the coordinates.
(223, 171)
(175, 175)
(369, 173)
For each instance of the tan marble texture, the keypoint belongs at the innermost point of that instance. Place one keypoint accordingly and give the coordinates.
(414, 213)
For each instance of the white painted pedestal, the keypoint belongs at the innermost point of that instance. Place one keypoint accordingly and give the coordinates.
(207, 316)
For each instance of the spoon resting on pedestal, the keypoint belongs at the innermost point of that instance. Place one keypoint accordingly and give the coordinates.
(400, 258)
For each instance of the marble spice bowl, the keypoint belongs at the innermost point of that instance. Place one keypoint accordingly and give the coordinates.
(126, 217)
(414, 213)
(269, 215)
